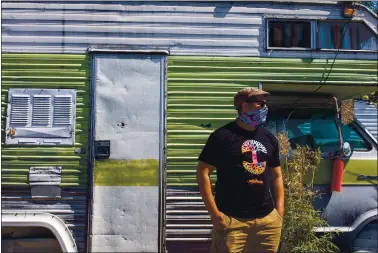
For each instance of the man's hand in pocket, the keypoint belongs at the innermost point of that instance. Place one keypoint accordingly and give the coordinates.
(217, 221)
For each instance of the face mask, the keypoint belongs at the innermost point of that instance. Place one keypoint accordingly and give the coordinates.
(255, 118)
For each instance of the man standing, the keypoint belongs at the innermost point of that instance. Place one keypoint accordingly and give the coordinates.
(246, 159)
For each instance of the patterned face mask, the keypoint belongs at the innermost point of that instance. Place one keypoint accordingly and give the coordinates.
(255, 118)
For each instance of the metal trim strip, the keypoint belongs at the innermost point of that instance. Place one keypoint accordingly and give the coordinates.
(134, 51)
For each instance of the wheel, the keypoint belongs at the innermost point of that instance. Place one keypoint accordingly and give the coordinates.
(366, 240)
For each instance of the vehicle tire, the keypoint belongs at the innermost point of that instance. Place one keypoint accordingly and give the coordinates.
(366, 241)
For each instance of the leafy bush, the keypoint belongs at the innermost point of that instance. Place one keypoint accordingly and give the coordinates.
(301, 218)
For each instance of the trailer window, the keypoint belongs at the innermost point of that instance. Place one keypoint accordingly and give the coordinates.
(289, 34)
(341, 35)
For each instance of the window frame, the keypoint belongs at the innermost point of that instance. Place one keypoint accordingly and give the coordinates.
(312, 39)
(356, 127)
(315, 43)
(342, 50)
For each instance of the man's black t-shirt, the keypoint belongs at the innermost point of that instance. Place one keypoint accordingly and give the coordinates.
(244, 161)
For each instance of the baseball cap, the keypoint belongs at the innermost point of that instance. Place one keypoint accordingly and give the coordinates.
(244, 94)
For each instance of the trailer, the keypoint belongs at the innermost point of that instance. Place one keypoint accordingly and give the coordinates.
(107, 104)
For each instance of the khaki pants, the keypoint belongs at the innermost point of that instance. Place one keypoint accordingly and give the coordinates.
(248, 235)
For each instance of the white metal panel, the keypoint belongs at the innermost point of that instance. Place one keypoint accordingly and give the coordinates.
(185, 28)
(41, 116)
(127, 95)
(125, 219)
(127, 114)
(46, 175)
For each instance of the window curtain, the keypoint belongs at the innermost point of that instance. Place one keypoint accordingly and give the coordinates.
(346, 42)
(277, 32)
(325, 35)
(335, 35)
(299, 35)
(288, 29)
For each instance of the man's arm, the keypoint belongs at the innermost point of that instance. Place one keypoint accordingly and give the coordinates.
(278, 189)
(204, 183)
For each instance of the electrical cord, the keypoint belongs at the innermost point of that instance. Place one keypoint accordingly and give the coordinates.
(333, 63)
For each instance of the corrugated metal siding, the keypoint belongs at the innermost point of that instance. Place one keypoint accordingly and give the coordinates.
(186, 28)
(367, 114)
(48, 71)
(200, 99)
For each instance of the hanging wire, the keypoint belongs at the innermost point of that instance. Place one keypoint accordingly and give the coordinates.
(334, 59)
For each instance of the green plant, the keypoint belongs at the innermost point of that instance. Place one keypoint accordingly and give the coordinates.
(301, 218)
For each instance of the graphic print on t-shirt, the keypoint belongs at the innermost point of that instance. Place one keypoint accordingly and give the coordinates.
(255, 167)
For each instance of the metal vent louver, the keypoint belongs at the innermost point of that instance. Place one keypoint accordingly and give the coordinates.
(20, 109)
(62, 110)
(41, 110)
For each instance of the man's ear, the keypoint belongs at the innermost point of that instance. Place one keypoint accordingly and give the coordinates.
(243, 107)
